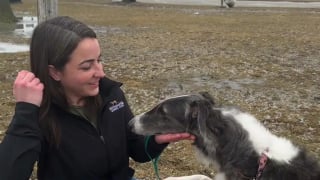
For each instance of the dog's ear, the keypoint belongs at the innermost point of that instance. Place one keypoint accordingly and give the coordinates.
(206, 95)
(199, 113)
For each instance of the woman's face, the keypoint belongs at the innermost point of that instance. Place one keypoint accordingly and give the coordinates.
(80, 76)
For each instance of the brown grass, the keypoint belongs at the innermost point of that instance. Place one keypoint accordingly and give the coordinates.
(161, 50)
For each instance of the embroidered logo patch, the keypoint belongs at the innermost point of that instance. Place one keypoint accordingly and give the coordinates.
(115, 105)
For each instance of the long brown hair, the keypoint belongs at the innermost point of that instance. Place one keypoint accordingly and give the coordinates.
(52, 43)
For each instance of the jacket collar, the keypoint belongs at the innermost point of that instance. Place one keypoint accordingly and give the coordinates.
(106, 85)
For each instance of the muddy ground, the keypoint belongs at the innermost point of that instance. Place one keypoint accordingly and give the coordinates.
(265, 60)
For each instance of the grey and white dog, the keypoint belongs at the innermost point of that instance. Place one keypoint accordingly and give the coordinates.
(233, 141)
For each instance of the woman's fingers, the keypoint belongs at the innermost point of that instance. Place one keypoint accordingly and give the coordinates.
(28, 88)
(167, 138)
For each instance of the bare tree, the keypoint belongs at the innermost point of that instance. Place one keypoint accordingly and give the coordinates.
(6, 13)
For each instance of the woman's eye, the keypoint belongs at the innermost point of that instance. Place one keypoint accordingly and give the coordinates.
(85, 66)
(89, 64)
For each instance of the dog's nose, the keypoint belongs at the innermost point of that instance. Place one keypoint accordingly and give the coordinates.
(131, 124)
(135, 125)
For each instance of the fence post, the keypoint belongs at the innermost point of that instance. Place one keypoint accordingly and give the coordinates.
(47, 9)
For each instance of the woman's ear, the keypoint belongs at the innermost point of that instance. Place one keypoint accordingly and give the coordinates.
(54, 73)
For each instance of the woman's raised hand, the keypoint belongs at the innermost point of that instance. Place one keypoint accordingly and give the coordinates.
(28, 88)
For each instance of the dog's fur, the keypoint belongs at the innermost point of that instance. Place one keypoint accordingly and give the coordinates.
(229, 139)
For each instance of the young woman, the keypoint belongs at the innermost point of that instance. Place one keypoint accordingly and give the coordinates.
(69, 117)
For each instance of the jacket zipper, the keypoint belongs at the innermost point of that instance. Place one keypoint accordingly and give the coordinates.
(96, 129)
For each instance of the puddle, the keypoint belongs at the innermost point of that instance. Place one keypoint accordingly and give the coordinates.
(13, 48)
(24, 28)
(174, 87)
(237, 84)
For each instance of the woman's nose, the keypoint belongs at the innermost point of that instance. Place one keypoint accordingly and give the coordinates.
(99, 71)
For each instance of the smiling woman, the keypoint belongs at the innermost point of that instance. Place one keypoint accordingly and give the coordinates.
(80, 77)
(65, 109)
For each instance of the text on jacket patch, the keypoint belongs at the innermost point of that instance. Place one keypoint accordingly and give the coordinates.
(115, 105)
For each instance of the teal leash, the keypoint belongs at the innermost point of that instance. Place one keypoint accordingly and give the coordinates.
(153, 160)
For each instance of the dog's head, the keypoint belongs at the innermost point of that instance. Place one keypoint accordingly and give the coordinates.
(214, 127)
(187, 113)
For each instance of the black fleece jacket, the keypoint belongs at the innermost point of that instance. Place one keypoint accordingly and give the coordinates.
(85, 152)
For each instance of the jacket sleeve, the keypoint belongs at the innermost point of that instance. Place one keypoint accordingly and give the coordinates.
(137, 143)
(22, 143)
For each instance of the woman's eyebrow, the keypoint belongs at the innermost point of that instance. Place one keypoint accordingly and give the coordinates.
(89, 60)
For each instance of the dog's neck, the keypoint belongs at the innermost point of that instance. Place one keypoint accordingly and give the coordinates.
(263, 159)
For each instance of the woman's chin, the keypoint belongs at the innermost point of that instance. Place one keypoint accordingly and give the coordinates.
(93, 92)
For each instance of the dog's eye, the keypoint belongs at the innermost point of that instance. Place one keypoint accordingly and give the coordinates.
(217, 131)
(194, 115)
(161, 110)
